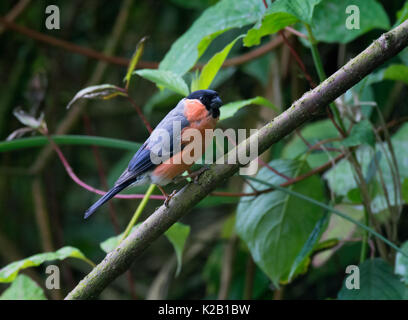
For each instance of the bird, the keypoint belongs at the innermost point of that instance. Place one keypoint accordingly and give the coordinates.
(160, 160)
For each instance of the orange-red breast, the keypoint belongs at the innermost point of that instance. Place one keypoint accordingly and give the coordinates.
(159, 160)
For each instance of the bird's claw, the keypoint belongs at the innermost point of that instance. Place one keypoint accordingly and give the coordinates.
(168, 198)
(196, 174)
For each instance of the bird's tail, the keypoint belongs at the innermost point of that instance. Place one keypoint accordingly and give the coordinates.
(109, 195)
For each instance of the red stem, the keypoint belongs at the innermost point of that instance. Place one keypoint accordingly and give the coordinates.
(78, 181)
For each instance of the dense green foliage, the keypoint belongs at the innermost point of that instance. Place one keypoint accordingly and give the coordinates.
(271, 244)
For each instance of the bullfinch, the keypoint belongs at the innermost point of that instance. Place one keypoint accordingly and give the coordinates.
(162, 157)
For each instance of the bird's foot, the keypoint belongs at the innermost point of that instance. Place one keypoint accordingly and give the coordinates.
(168, 198)
(196, 174)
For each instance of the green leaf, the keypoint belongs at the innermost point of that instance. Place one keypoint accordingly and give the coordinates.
(102, 91)
(326, 207)
(340, 178)
(229, 109)
(134, 60)
(112, 242)
(401, 263)
(223, 16)
(167, 79)
(377, 282)
(276, 225)
(212, 67)
(354, 195)
(397, 72)
(177, 235)
(329, 20)
(361, 133)
(9, 272)
(23, 288)
(69, 140)
(281, 14)
(272, 23)
(308, 246)
(402, 14)
(405, 190)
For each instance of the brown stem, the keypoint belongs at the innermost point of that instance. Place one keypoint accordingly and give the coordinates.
(249, 278)
(298, 60)
(15, 12)
(227, 267)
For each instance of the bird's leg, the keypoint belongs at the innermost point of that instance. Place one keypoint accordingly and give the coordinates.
(196, 174)
(168, 196)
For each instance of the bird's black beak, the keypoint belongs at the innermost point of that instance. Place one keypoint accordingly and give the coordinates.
(216, 102)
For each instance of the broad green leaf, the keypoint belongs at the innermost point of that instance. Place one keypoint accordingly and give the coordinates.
(338, 229)
(166, 79)
(329, 19)
(405, 190)
(223, 16)
(276, 225)
(23, 288)
(177, 235)
(9, 272)
(341, 178)
(214, 201)
(279, 15)
(326, 207)
(134, 60)
(397, 72)
(102, 91)
(272, 23)
(313, 133)
(361, 133)
(229, 109)
(401, 263)
(212, 67)
(309, 246)
(377, 282)
(69, 140)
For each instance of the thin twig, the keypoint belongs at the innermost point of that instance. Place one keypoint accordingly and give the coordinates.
(15, 12)
(298, 60)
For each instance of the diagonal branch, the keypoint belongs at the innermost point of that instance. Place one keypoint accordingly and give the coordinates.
(306, 108)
